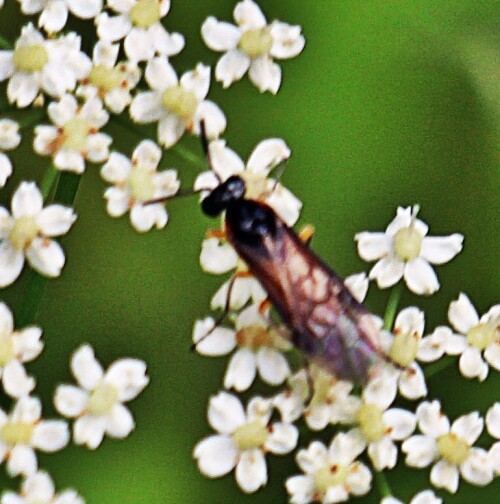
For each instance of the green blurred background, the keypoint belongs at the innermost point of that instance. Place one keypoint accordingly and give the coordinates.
(391, 103)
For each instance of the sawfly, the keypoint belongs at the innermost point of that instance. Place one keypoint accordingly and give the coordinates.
(326, 323)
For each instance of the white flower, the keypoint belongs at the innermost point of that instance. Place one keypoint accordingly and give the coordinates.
(75, 136)
(331, 474)
(423, 497)
(329, 401)
(403, 350)
(251, 46)
(17, 347)
(378, 427)
(260, 346)
(97, 402)
(405, 250)
(35, 64)
(39, 488)
(450, 449)
(259, 186)
(493, 420)
(109, 80)
(242, 441)
(136, 181)
(139, 21)
(28, 232)
(54, 13)
(479, 338)
(177, 104)
(23, 431)
(9, 139)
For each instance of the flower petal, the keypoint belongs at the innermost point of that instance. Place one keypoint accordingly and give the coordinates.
(11, 263)
(471, 364)
(420, 451)
(119, 423)
(220, 341)
(69, 400)
(219, 36)
(128, 376)
(478, 468)
(15, 380)
(265, 74)
(241, 370)
(85, 368)
(46, 256)
(56, 220)
(273, 366)
(444, 475)
(248, 15)
(27, 200)
(216, 456)
(462, 314)
(225, 413)
(287, 40)
(231, 67)
(387, 272)
(50, 435)
(282, 439)
(420, 277)
(441, 249)
(251, 470)
(468, 427)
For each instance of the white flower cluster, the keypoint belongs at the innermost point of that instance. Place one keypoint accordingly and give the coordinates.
(127, 80)
(369, 420)
(96, 404)
(72, 90)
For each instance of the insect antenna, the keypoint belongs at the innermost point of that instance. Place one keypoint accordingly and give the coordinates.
(222, 316)
(206, 149)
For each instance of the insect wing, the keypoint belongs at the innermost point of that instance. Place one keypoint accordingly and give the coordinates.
(327, 323)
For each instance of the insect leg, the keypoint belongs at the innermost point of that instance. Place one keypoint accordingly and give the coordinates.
(227, 308)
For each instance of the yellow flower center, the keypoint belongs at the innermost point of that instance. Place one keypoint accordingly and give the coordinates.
(408, 243)
(17, 433)
(6, 349)
(105, 77)
(250, 435)
(23, 232)
(256, 42)
(483, 335)
(30, 58)
(322, 384)
(102, 399)
(145, 12)
(328, 477)
(75, 133)
(370, 421)
(404, 348)
(180, 101)
(453, 448)
(254, 337)
(256, 185)
(141, 184)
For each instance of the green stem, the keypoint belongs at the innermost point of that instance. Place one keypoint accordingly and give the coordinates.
(5, 44)
(32, 119)
(66, 189)
(383, 485)
(181, 151)
(392, 306)
(437, 367)
(48, 181)
(187, 155)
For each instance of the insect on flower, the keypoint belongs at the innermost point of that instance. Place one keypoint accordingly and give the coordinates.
(327, 324)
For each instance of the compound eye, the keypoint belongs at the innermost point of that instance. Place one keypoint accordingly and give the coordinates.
(235, 188)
